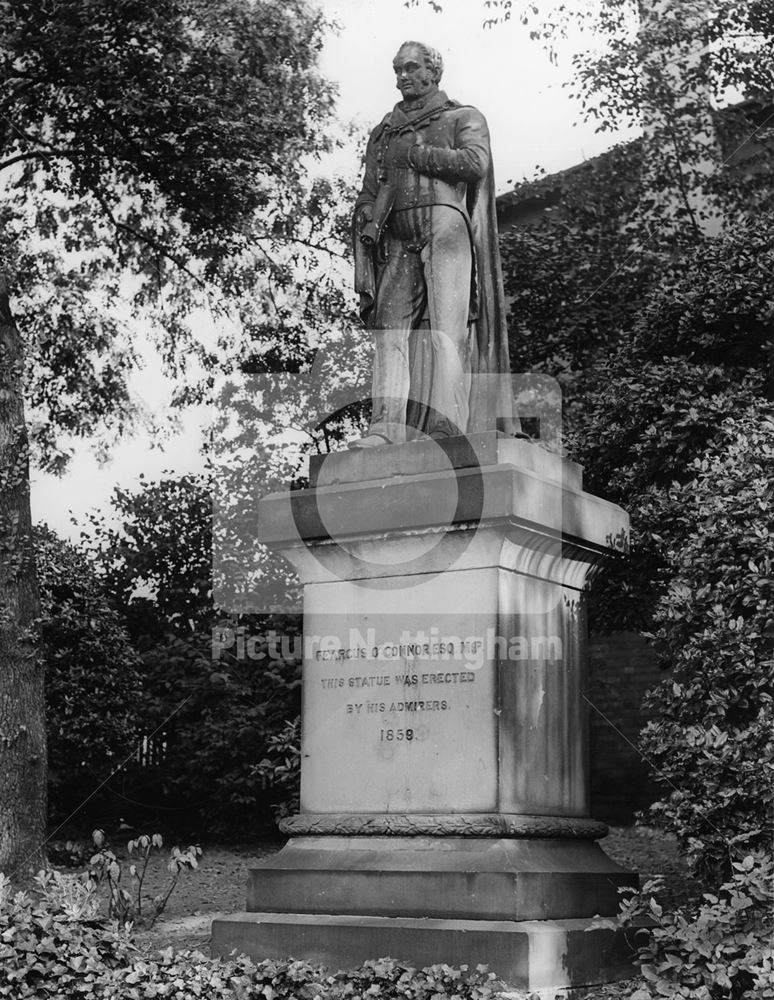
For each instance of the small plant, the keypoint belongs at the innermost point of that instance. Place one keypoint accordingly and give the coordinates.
(74, 896)
(133, 905)
(280, 769)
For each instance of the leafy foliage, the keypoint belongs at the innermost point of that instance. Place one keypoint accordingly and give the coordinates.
(54, 937)
(280, 769)
(216, 720)
(154, 551)
(652, 357)
(582, 288)
(572, 282)
(68, 853)
(92, 675)
(643, 425)
(712, 738)
(117, 85)
(712, 302)
(661, 336)
(720, 949)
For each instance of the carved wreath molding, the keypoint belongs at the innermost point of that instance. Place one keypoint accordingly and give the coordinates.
(446, 825)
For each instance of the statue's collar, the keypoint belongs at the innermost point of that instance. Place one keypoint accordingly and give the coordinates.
(402, 114)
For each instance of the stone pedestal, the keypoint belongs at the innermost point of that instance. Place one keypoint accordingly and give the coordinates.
(444, 803)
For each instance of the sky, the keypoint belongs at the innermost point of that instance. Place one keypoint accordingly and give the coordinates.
(499, 70)
(532, 122)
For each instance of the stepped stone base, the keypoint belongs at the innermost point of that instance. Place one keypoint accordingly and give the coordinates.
(524, 907)
(459, 878)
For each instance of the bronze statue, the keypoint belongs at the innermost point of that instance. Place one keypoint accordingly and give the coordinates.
(427, 265)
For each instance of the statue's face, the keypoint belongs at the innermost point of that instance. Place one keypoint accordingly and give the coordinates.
(412, 76)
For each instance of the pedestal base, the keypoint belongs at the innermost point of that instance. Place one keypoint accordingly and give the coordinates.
(444, 801)
(523, 906)
(458, 878)
(528, 954)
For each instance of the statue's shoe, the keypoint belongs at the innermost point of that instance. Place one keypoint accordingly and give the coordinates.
(370, 441)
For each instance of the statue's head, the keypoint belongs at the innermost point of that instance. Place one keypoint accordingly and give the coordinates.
(418, 70)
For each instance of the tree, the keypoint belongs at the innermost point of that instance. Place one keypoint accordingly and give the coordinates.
(23, 735)
(158, 554)
(661, 334)
(161, 141)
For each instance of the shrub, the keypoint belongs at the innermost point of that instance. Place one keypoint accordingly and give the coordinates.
(712, 739)
(92, 678)
(217, 720)
(211, 716)
(54, 945)
(719, 951)
(69, 853)
(280, 769)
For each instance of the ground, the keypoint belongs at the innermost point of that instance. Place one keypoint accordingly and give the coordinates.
(219, 885)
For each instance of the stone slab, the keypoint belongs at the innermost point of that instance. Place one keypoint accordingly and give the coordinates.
(523, 954)
(440, 877)
(496, 494)
(423, 456)
(443, 709)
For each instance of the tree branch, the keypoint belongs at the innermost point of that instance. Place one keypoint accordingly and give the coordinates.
(148, 240)
(43, 154)
(300, 242)
(268, 281)
(681, 180)
(31, 82)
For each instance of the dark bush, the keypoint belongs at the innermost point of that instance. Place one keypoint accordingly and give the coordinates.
(212, 709)
(712, 739)
(92, 678)
(214, 721)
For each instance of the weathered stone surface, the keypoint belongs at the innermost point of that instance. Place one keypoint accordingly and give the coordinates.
(418, 457)
(532, 954)
(386, 727)
(464, 878)
(499, 494)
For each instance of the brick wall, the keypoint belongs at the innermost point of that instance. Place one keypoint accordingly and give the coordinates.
(622, 667)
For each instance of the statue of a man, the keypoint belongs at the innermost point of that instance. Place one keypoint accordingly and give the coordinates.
(427, 265)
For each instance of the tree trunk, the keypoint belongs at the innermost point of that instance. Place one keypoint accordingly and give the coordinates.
(22, 704)
(769, 387)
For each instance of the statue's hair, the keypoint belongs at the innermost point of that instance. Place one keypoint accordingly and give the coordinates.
(433, 58)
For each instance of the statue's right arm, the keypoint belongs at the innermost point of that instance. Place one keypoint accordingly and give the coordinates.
(364, 206)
